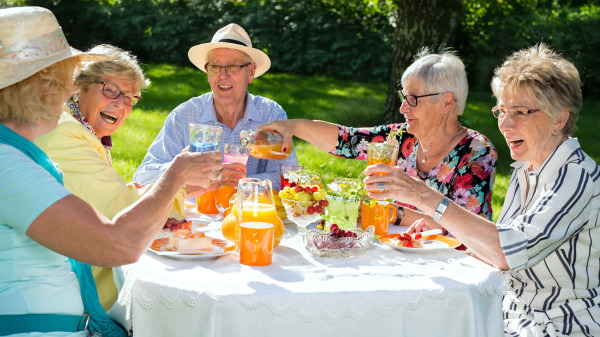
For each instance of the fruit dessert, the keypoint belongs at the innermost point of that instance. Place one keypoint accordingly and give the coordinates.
(175, 224)
(188, 241)
(407, 240)
(304, 204)
(337, 239)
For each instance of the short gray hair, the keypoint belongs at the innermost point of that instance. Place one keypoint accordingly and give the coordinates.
(440, 72)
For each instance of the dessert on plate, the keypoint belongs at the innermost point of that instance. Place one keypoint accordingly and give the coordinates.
(407, 240)
(175, 224)
(188, 241)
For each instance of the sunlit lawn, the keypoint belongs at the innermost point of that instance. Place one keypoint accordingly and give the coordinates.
(346, 102)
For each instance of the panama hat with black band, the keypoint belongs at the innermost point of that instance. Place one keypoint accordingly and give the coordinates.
(231, 36)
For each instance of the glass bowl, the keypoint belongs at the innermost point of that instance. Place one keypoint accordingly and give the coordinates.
(323, 244)
(297, 211)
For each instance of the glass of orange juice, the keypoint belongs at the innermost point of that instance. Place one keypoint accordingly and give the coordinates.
(206, 203)
(256, 204)
(382, 153)
(256, 243)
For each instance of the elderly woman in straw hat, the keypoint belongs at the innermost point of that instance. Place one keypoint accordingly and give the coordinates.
(105, 92)
(41, 222)
(547, 238)
(434, 147)
(231, 64)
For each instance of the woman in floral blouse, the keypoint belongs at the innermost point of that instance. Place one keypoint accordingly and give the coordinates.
(434, 147)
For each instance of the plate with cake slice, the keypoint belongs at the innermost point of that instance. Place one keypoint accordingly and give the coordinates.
(414, 243)
(185, 245)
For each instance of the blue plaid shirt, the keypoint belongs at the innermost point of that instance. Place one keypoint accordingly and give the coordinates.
(174, 137)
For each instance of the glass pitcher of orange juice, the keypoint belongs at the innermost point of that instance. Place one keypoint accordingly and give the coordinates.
(256, 204)
(264, 144)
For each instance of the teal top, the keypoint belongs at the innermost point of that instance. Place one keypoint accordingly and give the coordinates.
(34, 279)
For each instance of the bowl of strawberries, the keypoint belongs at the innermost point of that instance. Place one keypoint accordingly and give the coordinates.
(337, 242)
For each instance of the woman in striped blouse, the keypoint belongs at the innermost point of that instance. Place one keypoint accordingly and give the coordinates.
(547, 239)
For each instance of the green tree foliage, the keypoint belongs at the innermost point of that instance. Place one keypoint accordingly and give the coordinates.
(492, 30)
(338, 38)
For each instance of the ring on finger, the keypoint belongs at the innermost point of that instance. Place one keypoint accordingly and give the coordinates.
(381, 186)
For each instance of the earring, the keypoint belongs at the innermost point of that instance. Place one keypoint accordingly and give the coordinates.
(75, 98)
(32, 127)
(555, 132)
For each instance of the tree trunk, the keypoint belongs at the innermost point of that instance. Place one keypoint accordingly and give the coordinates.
(429, 23)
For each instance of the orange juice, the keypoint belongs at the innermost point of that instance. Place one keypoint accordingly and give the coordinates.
(206, 203)
(270, 151)
(378, 215)
(262, 213)
(256, 243)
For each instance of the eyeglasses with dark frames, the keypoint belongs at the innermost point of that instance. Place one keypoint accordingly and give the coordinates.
(112, 91)
(517, 114)
(231, 69)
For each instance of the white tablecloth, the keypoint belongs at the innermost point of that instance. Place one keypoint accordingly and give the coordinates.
(383, 293)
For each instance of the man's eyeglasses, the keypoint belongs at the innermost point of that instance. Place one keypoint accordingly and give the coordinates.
(231, 69)
(413, 100)
(112, 91)
(517, 114)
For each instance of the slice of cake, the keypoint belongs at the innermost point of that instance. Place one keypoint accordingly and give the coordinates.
(175, 224)
(184, 241)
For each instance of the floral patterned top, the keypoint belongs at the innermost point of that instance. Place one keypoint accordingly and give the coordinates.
(466, 175)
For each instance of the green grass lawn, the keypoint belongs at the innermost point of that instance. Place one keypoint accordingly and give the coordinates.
(349, 103)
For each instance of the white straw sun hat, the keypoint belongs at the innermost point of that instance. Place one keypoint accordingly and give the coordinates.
(231, 36)
(31, 40)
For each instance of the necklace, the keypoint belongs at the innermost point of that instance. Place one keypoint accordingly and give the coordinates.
(460, 129)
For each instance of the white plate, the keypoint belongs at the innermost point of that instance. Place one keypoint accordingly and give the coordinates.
(194, 255)
(428, 246)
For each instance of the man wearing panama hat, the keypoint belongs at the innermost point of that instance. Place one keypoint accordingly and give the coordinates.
(231, 64)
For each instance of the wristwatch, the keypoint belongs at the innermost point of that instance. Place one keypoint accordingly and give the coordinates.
(440, 209)
(399, 215)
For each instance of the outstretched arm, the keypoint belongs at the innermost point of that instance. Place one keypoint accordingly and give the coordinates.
(323, 135)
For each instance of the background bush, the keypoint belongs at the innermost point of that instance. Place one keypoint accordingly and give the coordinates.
(338, 38)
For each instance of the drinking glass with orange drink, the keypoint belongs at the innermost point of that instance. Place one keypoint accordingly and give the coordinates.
(382, 153)
(256, 243)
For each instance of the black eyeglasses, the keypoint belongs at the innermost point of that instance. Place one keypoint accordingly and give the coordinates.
(231, 69)
(112, 91)
(413, 100)
(517, 114)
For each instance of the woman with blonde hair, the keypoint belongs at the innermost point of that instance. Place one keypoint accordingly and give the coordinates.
(41, 222)
(105, 93)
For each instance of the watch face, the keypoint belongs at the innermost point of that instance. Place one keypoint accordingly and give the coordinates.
(399, 215)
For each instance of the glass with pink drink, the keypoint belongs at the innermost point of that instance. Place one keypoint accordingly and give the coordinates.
(235, 154)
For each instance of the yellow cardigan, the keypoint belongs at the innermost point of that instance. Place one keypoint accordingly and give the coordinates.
(88, 174)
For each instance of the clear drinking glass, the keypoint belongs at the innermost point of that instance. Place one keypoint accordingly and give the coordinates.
(205, 138)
